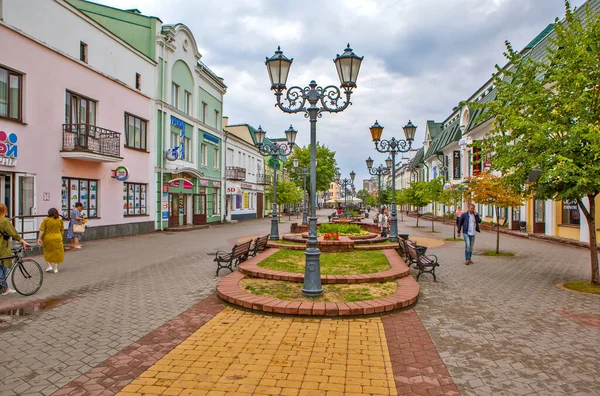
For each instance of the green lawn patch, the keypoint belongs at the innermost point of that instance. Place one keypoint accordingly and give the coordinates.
(331, 293)
(284, 242)
(348, 263)
(501, 254)
(583, 286)
(454, 239)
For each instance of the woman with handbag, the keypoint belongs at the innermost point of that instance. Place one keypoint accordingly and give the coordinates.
(51, 238)
(76, 226)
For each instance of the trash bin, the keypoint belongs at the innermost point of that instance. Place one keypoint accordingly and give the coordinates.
(523, 225)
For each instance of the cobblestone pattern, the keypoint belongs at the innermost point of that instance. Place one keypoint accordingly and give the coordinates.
(125, 288)
(244, 353)
(418, 368)
(495, 324)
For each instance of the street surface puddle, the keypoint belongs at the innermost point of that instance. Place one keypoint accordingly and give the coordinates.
(34, 306)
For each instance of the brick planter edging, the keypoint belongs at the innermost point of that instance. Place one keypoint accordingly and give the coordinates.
(398, 269)
(406, 295)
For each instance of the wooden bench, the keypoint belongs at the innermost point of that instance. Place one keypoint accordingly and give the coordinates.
(238, 254)
(260, 245)
(403, 250)
(425, 264)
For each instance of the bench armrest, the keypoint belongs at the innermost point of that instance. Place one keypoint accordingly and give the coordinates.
(432, 257)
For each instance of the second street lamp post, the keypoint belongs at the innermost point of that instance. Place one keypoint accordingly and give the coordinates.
(275, 150)
(393, 146)
(344, 184)
(320, 100)
(303, 171)
(379, 171)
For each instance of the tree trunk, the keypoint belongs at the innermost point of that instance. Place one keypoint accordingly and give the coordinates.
(497, 229)
(433, 217)
(417, 217)
(591, 220)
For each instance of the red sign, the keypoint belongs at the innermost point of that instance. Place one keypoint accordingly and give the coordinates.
(177, 183)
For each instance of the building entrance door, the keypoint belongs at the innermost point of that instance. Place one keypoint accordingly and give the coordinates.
(199, 209)
(6, 192)
(25, 197)
(173, 210)
(539, 216)
(259, 205)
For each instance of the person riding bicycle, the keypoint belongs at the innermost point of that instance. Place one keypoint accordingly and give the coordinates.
(7, 231)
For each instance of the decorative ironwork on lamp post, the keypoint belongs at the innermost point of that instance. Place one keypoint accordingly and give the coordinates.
(302, 171)
(379, 172)
(275, 150)
(344, 184)
(393, 146)
(320, 100)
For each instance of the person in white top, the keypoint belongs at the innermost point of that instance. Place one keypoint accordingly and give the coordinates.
(383, 221)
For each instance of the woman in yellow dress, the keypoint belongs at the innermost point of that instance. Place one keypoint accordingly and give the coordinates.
(7, 231)
(51, 239)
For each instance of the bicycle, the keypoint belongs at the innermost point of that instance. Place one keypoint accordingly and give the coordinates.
(26, 274)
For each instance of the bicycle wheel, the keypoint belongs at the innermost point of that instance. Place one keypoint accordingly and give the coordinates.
(27, 278)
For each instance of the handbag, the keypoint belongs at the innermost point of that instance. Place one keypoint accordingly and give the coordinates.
(78, 228)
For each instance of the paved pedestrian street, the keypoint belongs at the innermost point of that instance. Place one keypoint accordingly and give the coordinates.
(139, 316)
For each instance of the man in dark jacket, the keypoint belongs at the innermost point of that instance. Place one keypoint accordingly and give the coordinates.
(468, 224)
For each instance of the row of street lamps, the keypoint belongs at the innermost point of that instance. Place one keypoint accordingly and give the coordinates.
(344, 185)
(313, 101)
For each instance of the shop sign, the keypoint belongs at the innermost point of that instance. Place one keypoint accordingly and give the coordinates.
(216, 184)
(211, 138)
(435, 172)
(204, 183)
(476, 161)
(165, 205)
(121, 173)
(177, 183)
(233, 189)
(246, 205)
(177, 152)
(456, 164)
(246, 185)
(8, 149)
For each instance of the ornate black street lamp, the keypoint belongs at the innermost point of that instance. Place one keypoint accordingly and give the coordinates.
(275, 150)
(344, 185)
(393, 146)
(379, 172)
(303, 171)
(320, 100)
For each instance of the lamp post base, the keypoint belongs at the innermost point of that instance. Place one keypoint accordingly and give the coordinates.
(312, 272)
(274, 229)
(304, 218)
(393, 229)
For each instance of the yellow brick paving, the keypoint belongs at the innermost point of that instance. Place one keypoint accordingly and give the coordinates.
(243, 353)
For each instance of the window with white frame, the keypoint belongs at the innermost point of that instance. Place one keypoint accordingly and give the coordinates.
(217, 159)
(216, 201)
(204, 154)
(175, 95)
(187, 102)
(204, 110)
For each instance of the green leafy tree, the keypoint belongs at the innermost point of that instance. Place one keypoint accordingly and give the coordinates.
(367, 198)
(546, 117)
(326, 166)
(416, 196)
(401, 201)
(287, 192)
(453, 197)
(431, 192)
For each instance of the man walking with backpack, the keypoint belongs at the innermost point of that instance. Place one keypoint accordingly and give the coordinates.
(468, 224)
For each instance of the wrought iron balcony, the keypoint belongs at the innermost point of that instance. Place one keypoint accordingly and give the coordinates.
(91, 143)
(235, 173)
(262, 178)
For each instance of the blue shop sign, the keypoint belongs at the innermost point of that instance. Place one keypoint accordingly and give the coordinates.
(211, 138)
(177, 123)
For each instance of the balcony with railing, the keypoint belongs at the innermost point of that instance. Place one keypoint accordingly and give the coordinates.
(262, 178)
(91, 143)
(235, 173)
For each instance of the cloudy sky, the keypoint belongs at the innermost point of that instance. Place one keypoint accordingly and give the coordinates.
(422, 57)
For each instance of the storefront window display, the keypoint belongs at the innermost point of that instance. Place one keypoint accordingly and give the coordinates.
(80, 190)
(134, 199)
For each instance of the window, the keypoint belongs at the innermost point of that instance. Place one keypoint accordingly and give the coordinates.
(570, 213)
(79, 109)
(204, 110)
(217, 159)
(138, 81)
(80, 190)
(83, 52)
(204, 154)
(217, 119)
(135, 132)
(216, 200)
(187, 102)
(11, 94)
(175, 95)
(188, 149)
(134, 199)
(490, 211)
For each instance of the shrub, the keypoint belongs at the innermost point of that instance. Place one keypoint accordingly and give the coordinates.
(341, 229)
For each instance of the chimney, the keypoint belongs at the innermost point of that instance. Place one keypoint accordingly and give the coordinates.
(225, 122)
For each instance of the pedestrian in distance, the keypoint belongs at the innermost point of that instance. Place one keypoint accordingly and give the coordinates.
(383, 222)
(7, 231)
(76, 226)
(51, 240)
(468, 224)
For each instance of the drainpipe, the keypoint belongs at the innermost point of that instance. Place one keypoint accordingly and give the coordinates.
(223, 174)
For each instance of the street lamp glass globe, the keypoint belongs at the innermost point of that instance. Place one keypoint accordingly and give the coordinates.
(259, 135)
(348, 66)
(376, 131)
(338, 175)
(409, 131)
(290, 134)
(389, 162)
(278, 67)
(352, 175)
(369, 163)
(295, 162)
